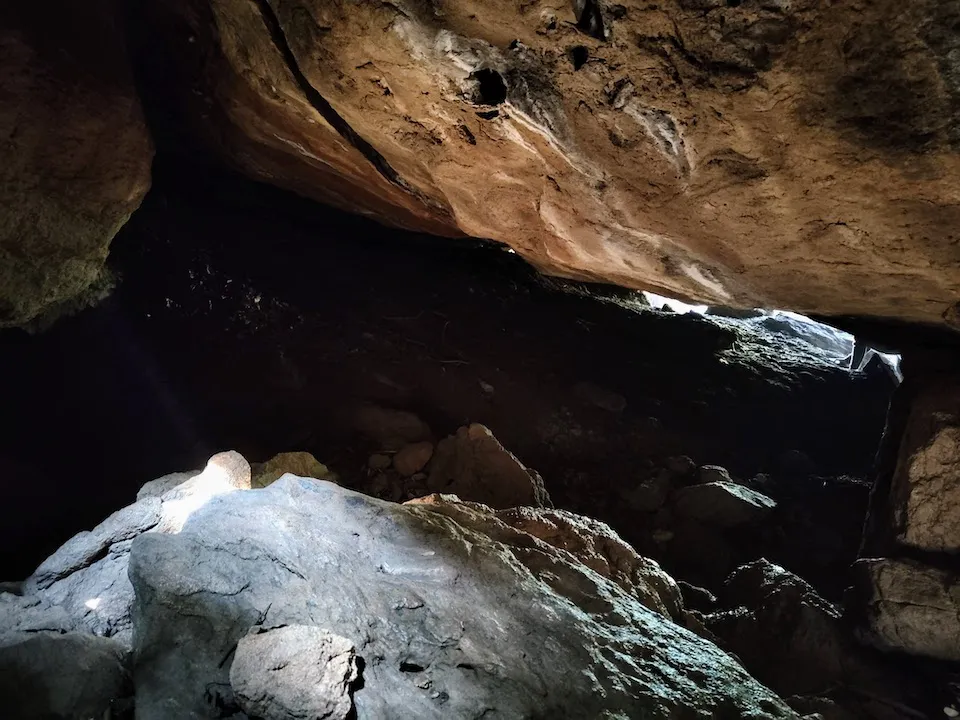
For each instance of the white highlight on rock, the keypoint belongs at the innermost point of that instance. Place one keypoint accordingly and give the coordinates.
(194, 494)
(92, 604)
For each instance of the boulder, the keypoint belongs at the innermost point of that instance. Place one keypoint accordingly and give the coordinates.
(390, 429)
(413, 458)
(925, 488)
(158, 487)
(475, 466)
(798, 155)
(453, 614)
(50, 675)
(76, 155)
(722, 504)
(905, 606)
(714, 473)
(294, 672)
(797, 643)
(302, 464)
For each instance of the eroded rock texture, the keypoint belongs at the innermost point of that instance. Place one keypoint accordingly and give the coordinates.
(797, 154)
(75, 153)
(925, 494)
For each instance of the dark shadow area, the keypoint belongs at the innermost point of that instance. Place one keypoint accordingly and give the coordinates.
(246, 318)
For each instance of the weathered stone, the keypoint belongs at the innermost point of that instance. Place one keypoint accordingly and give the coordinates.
(301, 464)
(475, 466)
(75, 160)
(379, 461)
(798, 155)
(390, 429)
(49, 675)
(908, 607)
(413, 458)
(231, 467)
(925, 492)
(296, 672)
(681, 467)
(455, 615)
(723, 504)
(697, 598)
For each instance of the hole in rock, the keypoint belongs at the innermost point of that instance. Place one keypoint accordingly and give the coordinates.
(590, 18)
(410, 667)
(490, 87)
(579, 56)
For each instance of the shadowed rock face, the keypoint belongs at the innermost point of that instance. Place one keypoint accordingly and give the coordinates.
(796, 154)
(75, 152)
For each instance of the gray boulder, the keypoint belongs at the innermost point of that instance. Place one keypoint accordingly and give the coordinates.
(722, 504)
(454, 614)
(295, 672)
(50, 675)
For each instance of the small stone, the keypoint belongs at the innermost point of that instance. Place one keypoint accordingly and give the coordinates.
(296, 671)
(232, 467)
(413, 458)
(649, 495)
(379, 461)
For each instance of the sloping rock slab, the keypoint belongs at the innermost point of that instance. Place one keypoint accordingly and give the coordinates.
(724, 504)
(449, 622)
(910, 607)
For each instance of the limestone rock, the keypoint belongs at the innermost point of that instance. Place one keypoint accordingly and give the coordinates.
(75, 160)
(723, 504)
(797, 155)
(908, 607)
(296, 672)
(475, 466)
(301, 464)
(413, 458)
(926, 482)
(49, 675)
(450, 620)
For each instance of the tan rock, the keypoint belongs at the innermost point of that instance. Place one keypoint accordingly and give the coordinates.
(909, 607)
(475, 466)
(76, 154)
(232, 467)
(413, 458)
(301, 464)
(926, 482)
(797, 155)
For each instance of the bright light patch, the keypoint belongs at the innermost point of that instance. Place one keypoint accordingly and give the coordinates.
(93, 603)
(194, 494)
(659, 301)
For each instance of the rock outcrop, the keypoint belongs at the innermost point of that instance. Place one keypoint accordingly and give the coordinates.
(796, 155)
(305, 597)
(75, 154)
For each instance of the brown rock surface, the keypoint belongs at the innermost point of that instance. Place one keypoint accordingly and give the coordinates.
(909, 607)
(474, 465)
(75, 153)
(798, 155)
(925, 493)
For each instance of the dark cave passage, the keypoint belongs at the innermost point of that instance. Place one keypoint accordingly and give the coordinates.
(244, 318)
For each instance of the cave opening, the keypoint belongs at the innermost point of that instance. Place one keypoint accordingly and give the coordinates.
(491, 88)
